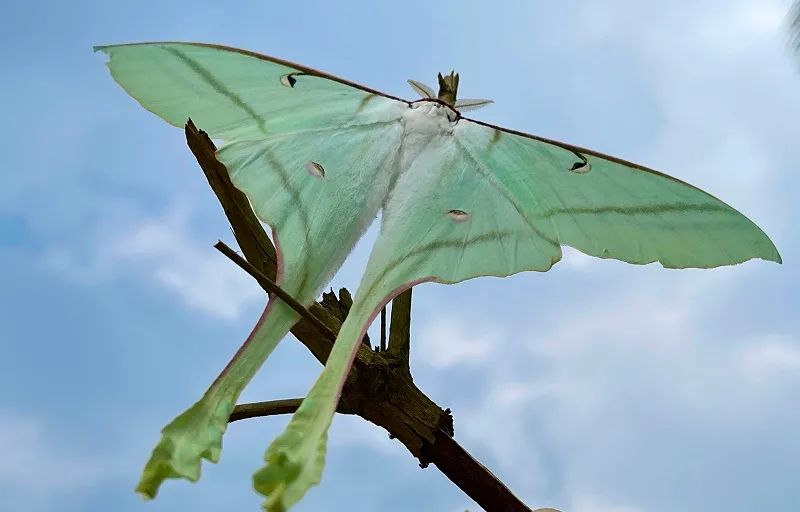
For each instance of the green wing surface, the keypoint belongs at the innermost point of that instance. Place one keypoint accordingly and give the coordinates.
(313, 154)
(499, 202)
(611, 208)
(319, 156)
(319, 189)
(316, 221)
(484, 201)
(234, 94)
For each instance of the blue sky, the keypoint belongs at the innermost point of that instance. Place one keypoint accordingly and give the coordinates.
(596, 387)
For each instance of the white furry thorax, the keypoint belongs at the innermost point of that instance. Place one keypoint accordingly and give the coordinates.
(427, 118)
(423, 123)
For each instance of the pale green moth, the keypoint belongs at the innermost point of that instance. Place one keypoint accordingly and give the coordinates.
(319, 156)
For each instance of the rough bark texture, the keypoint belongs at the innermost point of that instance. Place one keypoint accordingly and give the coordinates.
(379, 388)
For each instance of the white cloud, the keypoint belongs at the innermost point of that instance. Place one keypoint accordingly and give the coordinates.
(196, 273)
(35, 473)
(769, 359)
(447, 342)
(496, 427)
(742, 23)
(594, 504)
(722, 81)
(620, 384)
(164, 250)
(353, 431)
(733, 24)
(629, 392)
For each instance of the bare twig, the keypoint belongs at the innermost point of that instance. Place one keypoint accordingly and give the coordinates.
(269, 408)
(270, 285)
(400, 330)
(383, 329)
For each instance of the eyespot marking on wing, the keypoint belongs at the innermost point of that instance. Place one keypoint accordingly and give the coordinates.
(458, 215)
(581, 167)
(288, 80)
(315, 169)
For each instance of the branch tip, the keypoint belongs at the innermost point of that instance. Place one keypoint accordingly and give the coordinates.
(273, 288)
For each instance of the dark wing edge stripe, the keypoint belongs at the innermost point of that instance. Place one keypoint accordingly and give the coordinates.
(578, 149)
(268, 58)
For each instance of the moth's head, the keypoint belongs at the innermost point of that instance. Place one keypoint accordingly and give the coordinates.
(448, 93)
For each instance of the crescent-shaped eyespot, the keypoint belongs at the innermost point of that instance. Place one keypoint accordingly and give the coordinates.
(458, 215)
(288, 80)
(315, 169)
(581, 167)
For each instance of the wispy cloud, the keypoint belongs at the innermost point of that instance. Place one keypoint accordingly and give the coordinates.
(194, 272)
(715, 125)
(598, 504)
(584, 424)
(165, 251)
(602, 389)
(447, 341)
(35, 472)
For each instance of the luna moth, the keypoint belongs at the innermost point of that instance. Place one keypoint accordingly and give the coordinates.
(319, 157)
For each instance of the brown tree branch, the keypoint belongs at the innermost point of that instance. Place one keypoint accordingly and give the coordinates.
(379, 387)
(471, 476)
